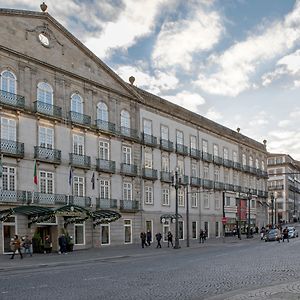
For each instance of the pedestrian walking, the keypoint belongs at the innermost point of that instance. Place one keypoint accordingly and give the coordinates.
(15, 245)
(149, 237)
(27, 245)
(158, 239)
(170, 238)
(202, 236)
(47, 244)
(285, 235)
(143, 238)
(62, 241)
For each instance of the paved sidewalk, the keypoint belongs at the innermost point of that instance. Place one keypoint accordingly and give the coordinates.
(108, 252)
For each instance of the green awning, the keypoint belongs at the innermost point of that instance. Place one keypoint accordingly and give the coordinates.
(104, 216)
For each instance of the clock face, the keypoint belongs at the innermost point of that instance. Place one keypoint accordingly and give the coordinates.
(44, 39)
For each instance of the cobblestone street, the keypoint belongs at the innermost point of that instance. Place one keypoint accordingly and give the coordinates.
(246, 269)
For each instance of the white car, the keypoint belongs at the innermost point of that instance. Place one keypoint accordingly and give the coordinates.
(292, 232)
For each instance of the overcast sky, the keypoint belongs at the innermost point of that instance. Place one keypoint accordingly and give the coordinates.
(236, 62)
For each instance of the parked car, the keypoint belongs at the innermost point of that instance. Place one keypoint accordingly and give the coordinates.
(292, 232)
(272, 235)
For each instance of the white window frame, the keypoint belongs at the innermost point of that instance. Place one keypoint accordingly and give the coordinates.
(101, 235)
(130, 226)
(193, 142)
(8, 178)
(8, 82)
(147, 126)
(225, 153)
(81, 225)
(102, 111)
(125, 119)
(8, 129)
(78, 144)
(78, 186)
(46, 178)
(206, 200)
(216, 150)
(164, 132)
(179, 137)
(205, 146)
(181, 200)
(45, 93)
(104, 188)
(148, 158)
(194, 200)
(76, 103)
(104, 149)
(165, 196)
(127, 191)
(46, 137)
(148, 194)
(126, 153)
(165, 163)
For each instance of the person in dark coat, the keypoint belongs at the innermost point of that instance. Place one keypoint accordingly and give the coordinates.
(15, 246)
(285, 234)
(62, 241)
(47, 244)
(143, 238)
(170, 238)
(158, 239)
(202, 236)
(149, 237)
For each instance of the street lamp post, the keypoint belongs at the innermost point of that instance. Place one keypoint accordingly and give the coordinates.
(272, 208)
(176, 185)
(249, 202)
(187, 218)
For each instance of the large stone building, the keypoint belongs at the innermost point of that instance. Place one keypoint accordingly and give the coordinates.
(284, 188)
(104, 150)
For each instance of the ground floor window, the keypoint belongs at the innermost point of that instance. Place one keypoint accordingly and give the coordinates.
(194, 230)
(79, 234)
(8, 232)
(166, 229)
(180, 230)
(206, 228)
(149, 227)
(127, 231)
(105, 234)
(217, 229)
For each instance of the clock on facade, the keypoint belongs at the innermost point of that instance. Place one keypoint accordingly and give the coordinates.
(44, 39)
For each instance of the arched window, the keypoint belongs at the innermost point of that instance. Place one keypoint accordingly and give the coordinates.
(244, 159)
(262, 165)
(250, 161)
(125, 119)
(8, 82)
(256, 164)
(102, 112)
(45, 93)
(76, 103)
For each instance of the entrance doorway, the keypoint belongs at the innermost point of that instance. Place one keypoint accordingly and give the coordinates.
(9, 230)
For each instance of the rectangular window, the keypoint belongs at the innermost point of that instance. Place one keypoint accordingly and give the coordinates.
(165, 164)
(205, 172)
(206, 200)
(217, 175)
(149, 227)
(226, 176)
(193, 142)
(126, 155)
(217, 229)
(216, 150)
(225, 153)
(127, 232)
(180, 165)
(180, 230)
(79, 234)
(180, 197)
(147, 127)
(78, 186)
(148, 195)
(127, 191)
(148, 158)
(217, 201)
(228, 201)
(234, 155)
(104, 150)
(194, 170)
(46, 137)
(104, 189)
(204, 146)
(105, 234)
(235, 178)
(8, 178)
(206, 228)
(194, 200)
(179, 137)
(78, 144)
(165, 196)
(166, 229)
(8, 129)
(164, 132)
(46, 182)
(194, 230)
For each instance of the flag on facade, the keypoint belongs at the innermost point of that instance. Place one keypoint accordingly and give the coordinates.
(93, 181)
(35, 179)
(70, 177)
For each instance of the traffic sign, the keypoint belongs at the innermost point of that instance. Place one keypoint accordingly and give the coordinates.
(224, 220)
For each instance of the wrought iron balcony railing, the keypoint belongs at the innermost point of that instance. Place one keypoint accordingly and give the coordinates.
(195, 153)
(129, 205)
(47, 109)
(106, 126)
(12, 148)
(276, 187)
(129, 133)
(80, 161)
(228, 163)
(166, 145)
(49, 199)
(218, 160)
(47, 155)
(12, 99)
(149, 139)
(207, 157)
(150, 173)
(219, 185)
(79, 118)
(195, 181)
(208, 184)
(246, 168)
(103, 165)
(237, 165)
(19, 197)
(182, 149)
(106, 203)
(183, 179)
(129, 170)
(228, 187)
(166, 176)
(237, 188)
(80, 201)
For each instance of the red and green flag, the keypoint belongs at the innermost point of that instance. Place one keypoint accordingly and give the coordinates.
(35, 179)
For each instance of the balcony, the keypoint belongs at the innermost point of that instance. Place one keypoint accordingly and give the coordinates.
(149, 139)
(166, 145)
(129, 205)
(218, 160)
(227, 163)
(237, 165)
(82, 201)
(20, 197)
(207, 157)
(219, 186)
(108, 166)
(106, 126)
(106, 203)
(129, 133)
(150, 174)
(263, 194)
(253, 170)
(228, 187)
(237, 188)
(79, 118)
(47, 109)
(195, 181)
(182, 149)
(195, 153)
(276, 187)
(11, 99)
(12, 148)
(80, 161)
(183, 179)
(246, 168)
(47, 155)
(129, 170)
(208, 184)
(49, 199)
(166, 176)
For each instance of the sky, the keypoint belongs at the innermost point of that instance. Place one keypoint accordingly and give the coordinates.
(236, 62)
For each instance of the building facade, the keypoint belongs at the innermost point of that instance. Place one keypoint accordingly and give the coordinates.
(80, 146)
(284, 188)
